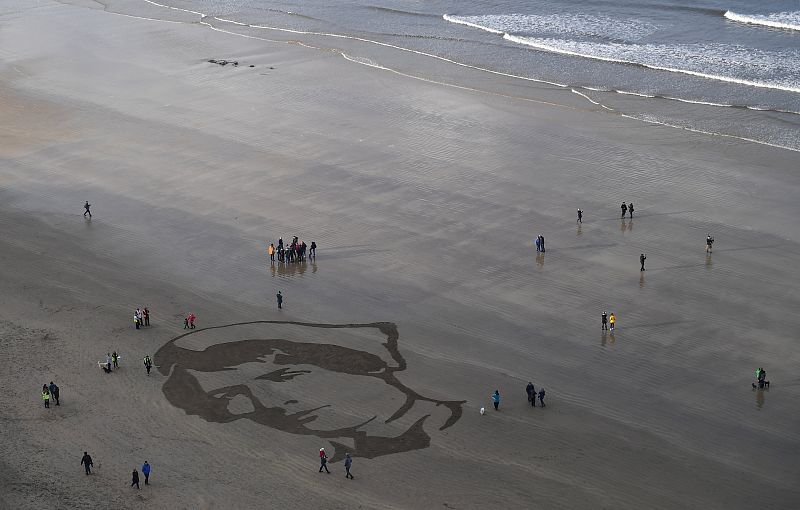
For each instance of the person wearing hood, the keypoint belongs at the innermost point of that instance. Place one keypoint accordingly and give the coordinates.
(531, 391)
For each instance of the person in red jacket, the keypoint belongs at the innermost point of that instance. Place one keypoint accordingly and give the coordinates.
(323, 461)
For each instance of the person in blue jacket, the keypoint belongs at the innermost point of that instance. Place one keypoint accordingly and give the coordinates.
(146, 472)
(496, 399)
(541, 397)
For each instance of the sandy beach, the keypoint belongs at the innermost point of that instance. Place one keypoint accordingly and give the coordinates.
(426, 295)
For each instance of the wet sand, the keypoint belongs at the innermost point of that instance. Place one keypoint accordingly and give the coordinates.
(424, 200)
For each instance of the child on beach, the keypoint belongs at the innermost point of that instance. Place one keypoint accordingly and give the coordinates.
(612, 320)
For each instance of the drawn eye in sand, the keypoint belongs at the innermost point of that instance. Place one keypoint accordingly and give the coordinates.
(334, 381)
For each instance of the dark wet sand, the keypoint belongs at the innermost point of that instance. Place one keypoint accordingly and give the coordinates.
(424, 201)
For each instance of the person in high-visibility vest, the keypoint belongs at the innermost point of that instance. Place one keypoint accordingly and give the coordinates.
(46, 398)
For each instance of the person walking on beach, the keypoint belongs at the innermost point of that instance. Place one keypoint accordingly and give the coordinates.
(146, 314)
(136, 320)
(538, 243)
(580, 216)
(630, 210)
(709, 243)
(312, 251)
(642, 258)
(54, 391)
(612, 320)
(496, 399)
(541, 243)
(115, 359)
(46, 396)
(108, 361)
(186, 322)
(135, 478)
(279, 297)
(604, 321)
(531, 391)
(624, 208)
(148, 364)
(87, 206)
(348, 462)
(192, 317)
(271, 251)
(86, 462)
(323, 461)
(541, 397)
(146, 472)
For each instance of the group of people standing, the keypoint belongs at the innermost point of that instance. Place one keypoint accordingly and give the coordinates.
(539, 243)
(49, 392)
(608, 321)
(627, 209)
(294, 252)
(141, 317)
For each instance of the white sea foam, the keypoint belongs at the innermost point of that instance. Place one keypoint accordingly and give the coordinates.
(463, 21)
(711, 61)
(785, 20)
(562, 25)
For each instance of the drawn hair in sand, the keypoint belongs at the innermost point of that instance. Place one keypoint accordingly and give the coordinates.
(183, 390)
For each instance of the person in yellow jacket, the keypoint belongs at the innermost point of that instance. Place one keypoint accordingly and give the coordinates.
(612, 320)
(46, 398)
(271, 251)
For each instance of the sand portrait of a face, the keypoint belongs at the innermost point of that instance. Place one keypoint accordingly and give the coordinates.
(337, 382)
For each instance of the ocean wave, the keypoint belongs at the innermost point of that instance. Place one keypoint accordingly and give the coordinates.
(401, 11)
(784, 20)
(715, 62)
(561, 25)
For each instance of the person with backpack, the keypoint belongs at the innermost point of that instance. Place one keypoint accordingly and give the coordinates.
(323, 461)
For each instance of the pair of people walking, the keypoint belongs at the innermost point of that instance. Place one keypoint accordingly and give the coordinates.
(539, 243)
(145, 472)
(323, 463)
(141, 317)
(627, 209)
(188, 321)
(531, 391)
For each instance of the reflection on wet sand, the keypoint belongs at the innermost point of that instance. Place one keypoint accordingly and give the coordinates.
(607, 338)
(641, 279)
(540, 259)
(760, 397)
(580, 230)
(708, 261)
(297, 268)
